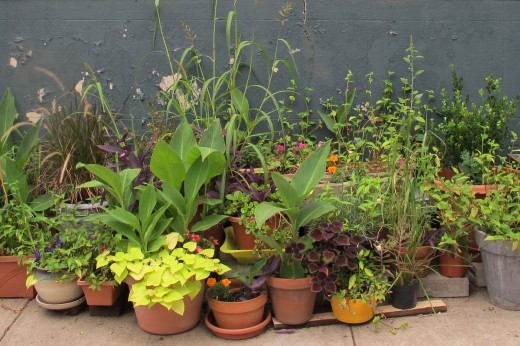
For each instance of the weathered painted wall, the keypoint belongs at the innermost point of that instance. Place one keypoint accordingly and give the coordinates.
(480, 37)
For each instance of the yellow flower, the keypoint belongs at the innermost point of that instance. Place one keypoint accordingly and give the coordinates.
(332, 169)
(211, 282)
(226, 282)
(333, 158)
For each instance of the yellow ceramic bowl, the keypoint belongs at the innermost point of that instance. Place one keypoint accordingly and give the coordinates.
(356, 311)
(242, 256)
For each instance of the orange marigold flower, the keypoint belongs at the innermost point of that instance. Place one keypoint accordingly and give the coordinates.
(226, 282)
(333, 158)
(211, 282)
(332, 169)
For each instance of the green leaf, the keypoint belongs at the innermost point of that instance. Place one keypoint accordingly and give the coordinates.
(195, 178)
(212, 138)
(167, 165)
(311, 212)
(288, 194)
(266, 210)
(328, 121)
(352, 281)
(208, 222)
(147, 202)
(8, 114)
(183, 140)
(239, 101)
(29, 142)
(311, 170)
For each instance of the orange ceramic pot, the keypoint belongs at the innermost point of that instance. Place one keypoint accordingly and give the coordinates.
(244, 240)
(354, 311)
(452, 266)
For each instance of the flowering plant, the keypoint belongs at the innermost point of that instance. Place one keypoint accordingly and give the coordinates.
(234, 290)
(288, 154)
(67, 246)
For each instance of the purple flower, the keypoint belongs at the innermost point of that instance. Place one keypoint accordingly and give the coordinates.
(49, 249)
(37, 255)
(58, 241)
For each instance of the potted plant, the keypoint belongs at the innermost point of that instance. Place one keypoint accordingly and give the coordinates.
(468, 127)
(54, 267)
(98, 284)
(454, 209)
(340, 267)
(247, 189)
(498, 234)
(165, 272)
(290, 291)
(237, 309)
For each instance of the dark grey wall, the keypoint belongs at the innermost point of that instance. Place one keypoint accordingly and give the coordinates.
(480, 37)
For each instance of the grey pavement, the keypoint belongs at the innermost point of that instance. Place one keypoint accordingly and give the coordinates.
(469, 321)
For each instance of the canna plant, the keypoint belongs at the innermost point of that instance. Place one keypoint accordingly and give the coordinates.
(298, 211)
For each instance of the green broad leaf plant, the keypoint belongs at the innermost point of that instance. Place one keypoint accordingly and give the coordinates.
(166, 276)
(296, 208)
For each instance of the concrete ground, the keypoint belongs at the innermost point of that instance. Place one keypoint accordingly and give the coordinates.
(469, 321)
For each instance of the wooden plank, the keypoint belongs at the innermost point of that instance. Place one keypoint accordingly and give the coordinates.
(388, 311)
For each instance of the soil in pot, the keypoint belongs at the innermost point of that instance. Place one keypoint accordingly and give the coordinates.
(159, 320)
(292, 300)
(12, 279)
(354, 311)
(452, 266)
(238, 315)
(105, 296)
(405, 296)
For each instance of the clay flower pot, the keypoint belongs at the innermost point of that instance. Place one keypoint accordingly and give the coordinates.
(236, 334)
(355, 311)
(452, 266)
(105, 296)
(12, 279)
(247, 241)
(159, 320)
(238, 315)
(292, 299)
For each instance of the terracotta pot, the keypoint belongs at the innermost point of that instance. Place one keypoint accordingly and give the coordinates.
(53, 291)
(236, 334)
(238, 315)
(452, 266)
(12, 279)
(105, 296)
(159, 320)
(247, 241)
(292, 299)
(355, 311)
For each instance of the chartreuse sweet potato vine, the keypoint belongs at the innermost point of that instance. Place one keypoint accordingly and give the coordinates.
(165, 276)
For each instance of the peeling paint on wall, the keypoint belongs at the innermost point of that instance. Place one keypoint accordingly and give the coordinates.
(13, 62)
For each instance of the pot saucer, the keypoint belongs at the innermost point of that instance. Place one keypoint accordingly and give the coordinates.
(62, 306)
(236, 334)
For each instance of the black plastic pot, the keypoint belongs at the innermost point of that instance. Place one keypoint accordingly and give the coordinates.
(404, 297)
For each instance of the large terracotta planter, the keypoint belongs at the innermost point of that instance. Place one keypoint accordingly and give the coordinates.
(246, 241)
(12, 279)
(292, 299)
(355, 311)
(53, 291)
(105, 296)
(238, 315)
(159, 320)
(452, 266)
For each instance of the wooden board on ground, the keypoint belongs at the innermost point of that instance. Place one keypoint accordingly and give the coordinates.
(388, 311)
